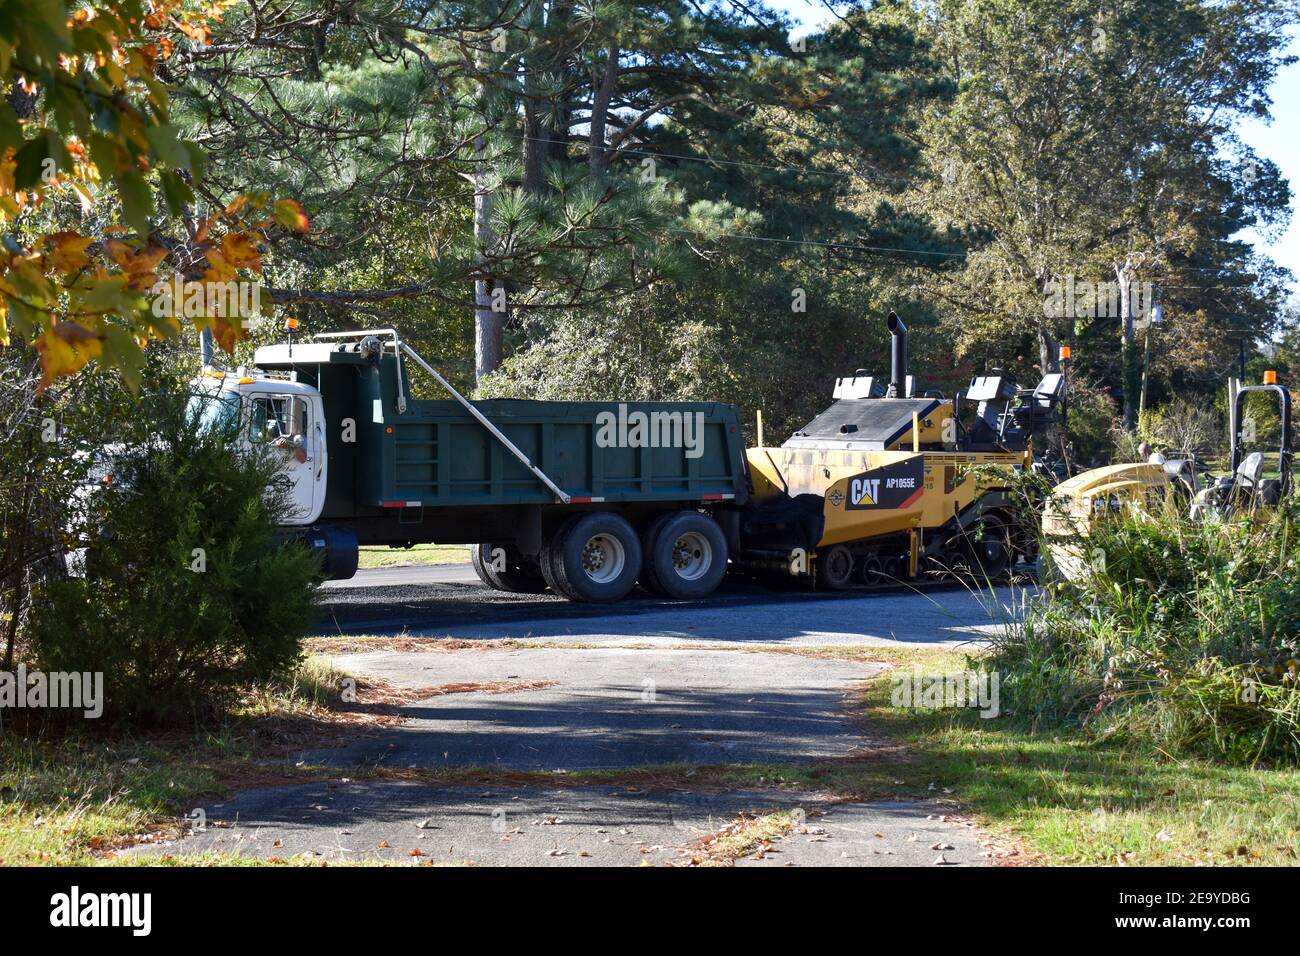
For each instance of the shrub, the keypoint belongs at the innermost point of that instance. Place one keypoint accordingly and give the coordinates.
(1187, 637)
(188, 593)
(1092, 420)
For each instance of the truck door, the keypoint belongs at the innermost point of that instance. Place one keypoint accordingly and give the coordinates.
(284, 424)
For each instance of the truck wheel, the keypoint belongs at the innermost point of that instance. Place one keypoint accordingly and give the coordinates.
(594, 557)
(685, 555)
(507, 570)
(991, 553)
(835, 568)
(869, 570)
(546, 564)
(648, 579)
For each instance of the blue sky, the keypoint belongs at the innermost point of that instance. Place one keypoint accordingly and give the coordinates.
(1278, 141)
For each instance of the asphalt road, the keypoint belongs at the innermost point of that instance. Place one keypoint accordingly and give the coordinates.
(449, 601)
(641, 684)
(400, 822)
(610, 707)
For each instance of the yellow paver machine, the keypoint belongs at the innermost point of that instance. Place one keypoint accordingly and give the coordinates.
(884, 485)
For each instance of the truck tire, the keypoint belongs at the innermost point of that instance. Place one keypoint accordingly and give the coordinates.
(868, 570)
(685, 555)
(989, 547)
(648, 580)
(546, 565)
(594, 557)
(835, 568)
(519, 576)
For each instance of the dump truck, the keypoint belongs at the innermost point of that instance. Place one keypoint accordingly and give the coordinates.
(585, 498)
(886, 484)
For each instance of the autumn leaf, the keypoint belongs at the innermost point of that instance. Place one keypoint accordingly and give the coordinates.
(139, 265)
(290, 215)
(227, 334)
(65, 348)
(83, 196)
(68, 253)
(219, 270)
(238, 250)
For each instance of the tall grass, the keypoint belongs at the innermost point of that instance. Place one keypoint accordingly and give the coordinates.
(1179, 634)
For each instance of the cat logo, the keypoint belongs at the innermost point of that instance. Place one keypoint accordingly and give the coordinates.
(864, 491)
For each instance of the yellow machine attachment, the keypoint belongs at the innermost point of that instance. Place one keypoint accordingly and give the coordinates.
(1076, 504)
(880, 486)
(1257, 478)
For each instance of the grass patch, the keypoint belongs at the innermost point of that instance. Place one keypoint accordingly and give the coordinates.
(77, 798)
(1074, 800)
(743, 836)
(379, 556)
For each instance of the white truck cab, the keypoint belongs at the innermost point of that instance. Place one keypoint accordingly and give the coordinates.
(279, 413)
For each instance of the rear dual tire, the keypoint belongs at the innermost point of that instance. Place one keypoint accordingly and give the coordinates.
(598, 557)
(593, 557)
(685, 556)
(504, 569)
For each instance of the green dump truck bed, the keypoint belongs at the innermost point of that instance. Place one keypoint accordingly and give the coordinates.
(436, 454)
(407, 453)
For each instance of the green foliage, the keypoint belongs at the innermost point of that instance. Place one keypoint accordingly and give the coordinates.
(188, 594)
(1091, 423)
(1185, 428)
(1183, 635)
(728, 337)
(1096, 141)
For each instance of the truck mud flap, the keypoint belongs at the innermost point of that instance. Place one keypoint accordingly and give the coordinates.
(336, 545)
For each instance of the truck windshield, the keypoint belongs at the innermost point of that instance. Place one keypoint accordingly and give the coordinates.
(214, 412)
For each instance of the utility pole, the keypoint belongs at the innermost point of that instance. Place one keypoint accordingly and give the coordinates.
(1157, 315)
(1128, 347)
